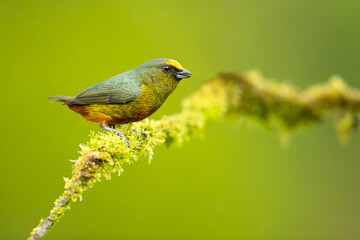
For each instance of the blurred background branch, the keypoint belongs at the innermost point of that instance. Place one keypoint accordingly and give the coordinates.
(231, 95)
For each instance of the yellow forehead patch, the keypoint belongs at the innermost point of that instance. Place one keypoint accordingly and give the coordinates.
(174, 63)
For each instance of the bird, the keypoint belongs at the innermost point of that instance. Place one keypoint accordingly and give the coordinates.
(128, 97)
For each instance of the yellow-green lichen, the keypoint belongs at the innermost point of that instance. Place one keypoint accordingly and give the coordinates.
(228, 95)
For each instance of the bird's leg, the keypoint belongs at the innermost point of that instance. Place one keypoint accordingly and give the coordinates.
(142, 133)
(137, 131)
(119, 133)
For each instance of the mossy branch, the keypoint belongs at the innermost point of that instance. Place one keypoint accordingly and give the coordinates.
(236, 95)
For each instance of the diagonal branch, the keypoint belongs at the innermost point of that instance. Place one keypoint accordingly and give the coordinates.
(228, 95)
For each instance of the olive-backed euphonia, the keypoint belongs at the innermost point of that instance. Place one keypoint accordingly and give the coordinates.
(128, 97)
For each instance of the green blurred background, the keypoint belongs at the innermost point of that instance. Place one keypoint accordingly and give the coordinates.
(237, 182)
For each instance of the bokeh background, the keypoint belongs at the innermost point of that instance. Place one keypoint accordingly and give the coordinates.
(237, 182)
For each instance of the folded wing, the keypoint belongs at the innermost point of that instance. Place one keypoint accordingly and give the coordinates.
(108, 92)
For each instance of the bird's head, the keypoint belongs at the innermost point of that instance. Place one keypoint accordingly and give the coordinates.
(164, 69)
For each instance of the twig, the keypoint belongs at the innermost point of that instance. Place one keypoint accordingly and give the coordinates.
(233, 95)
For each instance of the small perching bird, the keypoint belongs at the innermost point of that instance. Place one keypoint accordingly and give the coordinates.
(128, 97)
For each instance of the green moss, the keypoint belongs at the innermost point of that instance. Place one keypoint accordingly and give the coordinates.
(247, 94)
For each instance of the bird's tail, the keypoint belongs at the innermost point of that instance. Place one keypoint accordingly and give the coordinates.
(63, 99)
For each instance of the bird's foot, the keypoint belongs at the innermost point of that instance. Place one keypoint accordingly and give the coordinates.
(121, 134)
(117, 132)
(142, 133)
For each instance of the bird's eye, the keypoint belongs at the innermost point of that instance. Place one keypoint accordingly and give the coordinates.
(166, 69)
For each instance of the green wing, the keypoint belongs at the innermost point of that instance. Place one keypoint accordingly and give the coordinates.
(122, 88)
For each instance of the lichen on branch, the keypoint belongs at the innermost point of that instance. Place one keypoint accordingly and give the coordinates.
(245, 94)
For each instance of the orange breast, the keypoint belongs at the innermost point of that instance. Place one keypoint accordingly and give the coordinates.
(91, 116)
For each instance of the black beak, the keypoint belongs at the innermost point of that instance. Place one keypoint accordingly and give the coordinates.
(183, 74)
